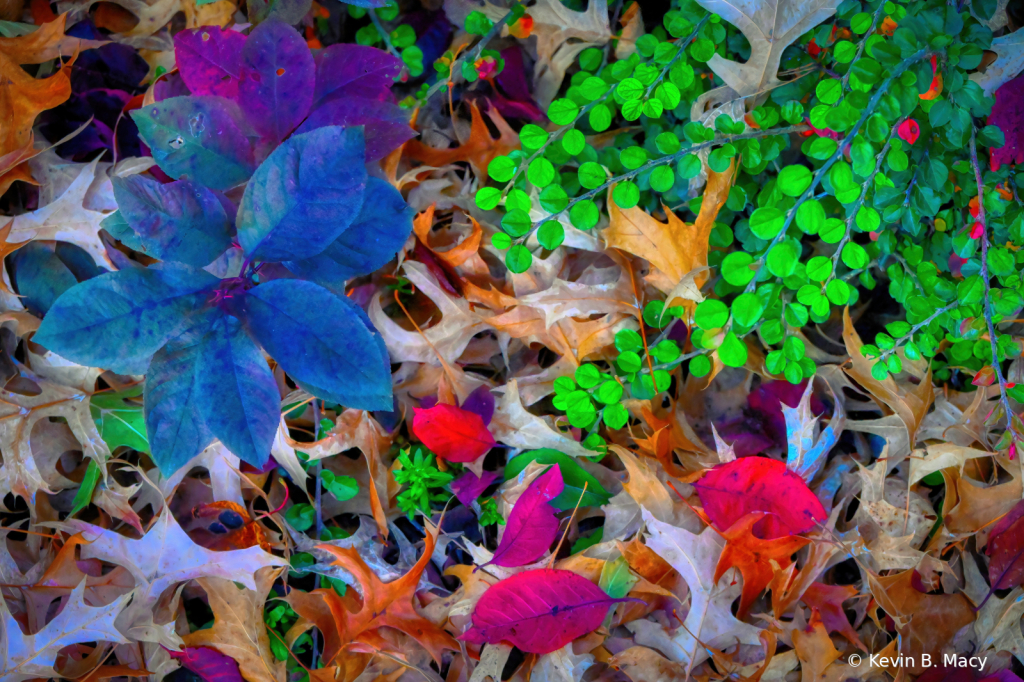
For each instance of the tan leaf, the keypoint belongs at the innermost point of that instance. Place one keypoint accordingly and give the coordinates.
(238, 629)
(514, 426)
(770, 26)
(1008, 63)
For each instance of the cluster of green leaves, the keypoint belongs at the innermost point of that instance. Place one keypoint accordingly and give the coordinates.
(279, 618)
(808, 227)
(402, 37)
(424, 482)
(639, 371)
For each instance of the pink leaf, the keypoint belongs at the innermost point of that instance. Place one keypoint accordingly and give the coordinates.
(469, 486)
(209, 664)
(210, 60)
(539, 611)
(733, 490)
(532, 525)
(1008, 115)
(452, 433)
(909, 131)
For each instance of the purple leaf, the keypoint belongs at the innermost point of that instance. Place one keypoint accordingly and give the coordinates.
(354, 71)
(532, 525)
(209, 664)
(387, 124)
(1006, 547)
(1008, 115)
(539, 611)
(469, 486)
(480, 401)
(209, 60)
(277, 79)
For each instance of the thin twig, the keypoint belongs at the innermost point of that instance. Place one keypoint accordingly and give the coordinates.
(472, 55)
(383, 32)
(984, 278)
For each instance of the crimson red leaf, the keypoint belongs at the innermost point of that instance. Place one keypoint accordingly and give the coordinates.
(209, 664)
(532, 525)
(733, 490)
(452, 433)
(1006, 547)
(909, 131)
(539, 611)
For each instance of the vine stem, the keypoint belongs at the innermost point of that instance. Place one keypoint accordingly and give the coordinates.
(917, 327)
(318, 499)
(820, 173)
(472, 55)
(984, 278)
(383, 32)
(670, 158)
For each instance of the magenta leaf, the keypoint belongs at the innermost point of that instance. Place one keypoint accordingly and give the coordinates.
(1008, 115)
(344, 71)
(532, 525)
(209, 664)
(469, 486)
(539, 611)
(209, 60)
(277, 79)
(733, 490)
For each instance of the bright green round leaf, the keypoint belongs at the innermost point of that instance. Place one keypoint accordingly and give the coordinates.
(533, 136)
(540, 172)
(488, 198)
(711, 314)
(518, 259)
(747, 309)
(551, 234)
(662, 179)
(584, 214)
(700, 366)
(794, 180)
(736, 268)
(732, 352)
(501, 168)
(573, 142)
(819, 268)
(626, 194)
(766, 222)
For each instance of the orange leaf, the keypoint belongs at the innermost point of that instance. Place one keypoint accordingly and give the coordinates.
(479, 150)
(814, 648)
(384, 604)
(756, 559)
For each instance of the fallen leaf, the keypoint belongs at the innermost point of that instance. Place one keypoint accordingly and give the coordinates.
(770, 27)
(32, 656)
(516, 427)
(757, 560)
(814, 648)
(731, 491)
(558, 605)
(1009, 49)
(479, 149)
(452, 433)
(532, 526)
(238, 630)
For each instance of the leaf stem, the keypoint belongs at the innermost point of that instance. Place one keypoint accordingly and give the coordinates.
(917, 327)
(383, 32)
(472, 55)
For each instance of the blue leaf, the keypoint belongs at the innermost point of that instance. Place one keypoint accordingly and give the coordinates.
(180, 221)
(237, 392)
(324, 342)
(372, 240)
(120, 230)
(304, 196)
(174, 422)
(200, 138)
(120, 319)
(40, 276)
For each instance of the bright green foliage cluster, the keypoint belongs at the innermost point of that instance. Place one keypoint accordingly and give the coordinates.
(857, 172)
(596, 396)
(422, 479)
(402, 38)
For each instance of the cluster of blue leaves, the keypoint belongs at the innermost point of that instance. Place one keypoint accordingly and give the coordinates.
(309, 207)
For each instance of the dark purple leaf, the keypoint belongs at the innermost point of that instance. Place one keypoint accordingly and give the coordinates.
(481, 401)
(386, 124)
(278, 76)
(209, 60)
(1006, 548)
(1008, 115)
(469, 486)
(354, 71)
(209, 664)
(532, 526)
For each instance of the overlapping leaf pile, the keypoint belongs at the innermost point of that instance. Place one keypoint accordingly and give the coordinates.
(464, 341)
